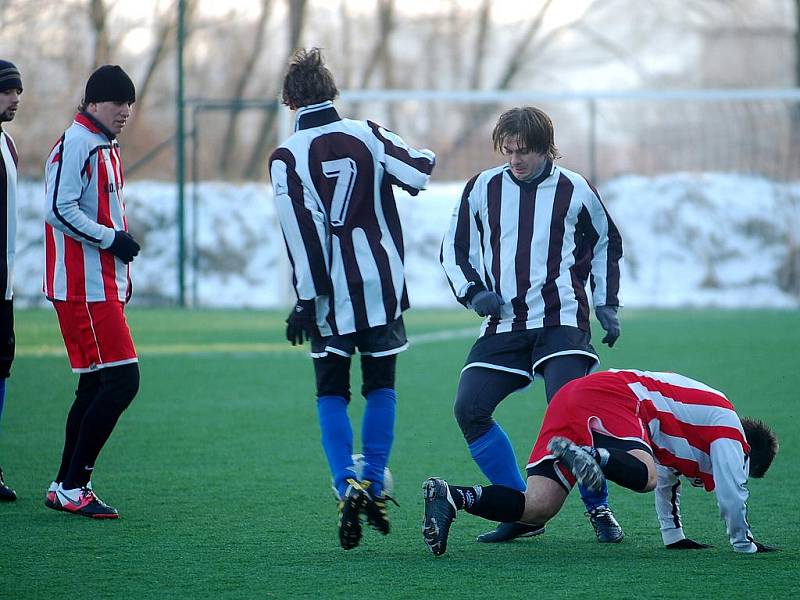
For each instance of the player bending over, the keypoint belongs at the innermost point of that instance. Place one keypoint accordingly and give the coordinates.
(638, 429)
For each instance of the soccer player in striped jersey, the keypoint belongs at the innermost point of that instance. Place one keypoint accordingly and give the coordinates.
(332, 181)
(523, 241)
(639, 429)
(10, 91)
(87, 254)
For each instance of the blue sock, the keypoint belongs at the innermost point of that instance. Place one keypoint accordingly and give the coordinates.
(377, 435)
(495, 457)
(337, 439)
(594, 499)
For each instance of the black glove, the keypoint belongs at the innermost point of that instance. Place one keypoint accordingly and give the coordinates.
(124, 247)
(687, 544)
(301, 324)
(607, 315)
(487, 303)
(764, 548)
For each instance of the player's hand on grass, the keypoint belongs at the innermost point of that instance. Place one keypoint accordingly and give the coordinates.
(301, 324)
(609, 320)
(487, 303)
(687, 544)
(764, 548)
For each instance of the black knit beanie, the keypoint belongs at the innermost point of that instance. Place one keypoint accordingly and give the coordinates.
(109, 83)
(9, 77)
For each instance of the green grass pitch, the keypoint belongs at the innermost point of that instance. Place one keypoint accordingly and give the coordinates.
(224, 492)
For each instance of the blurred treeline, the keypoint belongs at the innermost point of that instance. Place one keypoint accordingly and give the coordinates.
(238, 50)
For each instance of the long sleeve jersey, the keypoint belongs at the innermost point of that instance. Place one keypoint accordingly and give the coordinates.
(84, 206)
(332, 181)
(694, 432)
(536, 244)
(8, 213)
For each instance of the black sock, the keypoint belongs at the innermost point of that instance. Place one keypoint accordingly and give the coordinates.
(88, 387)
(622, 468)
(498, 503)
(465, 497)
(118, 386)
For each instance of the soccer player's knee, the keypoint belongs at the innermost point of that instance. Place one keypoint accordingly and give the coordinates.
(5, 367)
(123, 381)
(652, 481)
(377, 373)
(376, 379)
(538, 515)
(333, 376)
(472, 421)
(332, 388)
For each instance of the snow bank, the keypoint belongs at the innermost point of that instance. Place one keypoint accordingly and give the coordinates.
(701, 240)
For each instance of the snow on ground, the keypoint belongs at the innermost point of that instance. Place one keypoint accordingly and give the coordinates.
(690, 240)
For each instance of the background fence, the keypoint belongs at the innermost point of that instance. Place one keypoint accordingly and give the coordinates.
(731, 238)
(601, 134)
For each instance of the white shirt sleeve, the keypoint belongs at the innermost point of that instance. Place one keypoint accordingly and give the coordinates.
(668, 505)
(461, 255)
(606, 253)
(66, 183)
(730, 486)
(409, 168)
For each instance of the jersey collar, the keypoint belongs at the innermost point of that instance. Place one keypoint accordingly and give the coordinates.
(92, 124)
(549, 169)
(315, 115)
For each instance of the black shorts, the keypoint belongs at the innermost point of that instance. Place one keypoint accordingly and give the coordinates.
(524, 352)
(7, 341)
(547, 468)
(382, 340)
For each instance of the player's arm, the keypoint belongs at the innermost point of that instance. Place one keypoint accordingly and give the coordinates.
(606, 249)
(68, 173)
(730, 487)
(304, 227)
(460, 253)
(668, 506)
(406, 167)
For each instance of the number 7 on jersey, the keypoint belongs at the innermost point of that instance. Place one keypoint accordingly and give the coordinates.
(345, 171)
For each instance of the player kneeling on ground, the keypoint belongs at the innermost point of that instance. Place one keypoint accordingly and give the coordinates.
(638, 429)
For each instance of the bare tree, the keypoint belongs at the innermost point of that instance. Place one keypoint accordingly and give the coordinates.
(797, 43)
(380, 50)
(516, 58)
(166, 26)
(297, 14)
(245, 75)
(98, 18)
(481, 39)
(345, 72)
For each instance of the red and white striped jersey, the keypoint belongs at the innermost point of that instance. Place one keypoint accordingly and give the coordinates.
(84, 206)
(8, 213)
(332, 181)
(536, 244)
(694, 431)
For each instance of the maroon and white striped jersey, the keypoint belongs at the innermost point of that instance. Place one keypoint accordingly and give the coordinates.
(536, 244)
(332, 181)
(8, 213)
(84, 206)
(695, 432)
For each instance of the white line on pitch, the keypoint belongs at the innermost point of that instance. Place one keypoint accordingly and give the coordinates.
(244, 348)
